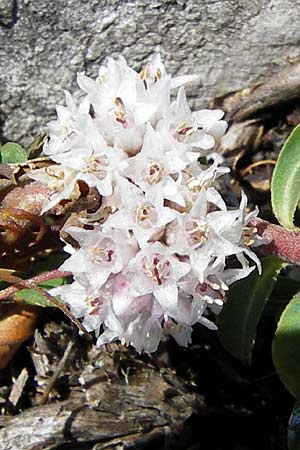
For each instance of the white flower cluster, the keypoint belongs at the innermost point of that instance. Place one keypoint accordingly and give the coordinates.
(154, 257)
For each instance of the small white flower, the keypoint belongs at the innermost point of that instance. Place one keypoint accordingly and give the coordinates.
(132, 320)
(100, 254)
(116, 80)
(156, 270)
(153, 167)
(144, 216)
(65, 125)
(201, 129)
(61, 180)
(84, 303)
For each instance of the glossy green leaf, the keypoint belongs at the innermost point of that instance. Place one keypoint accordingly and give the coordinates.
(286, 347)
(285, 186)
(245, 302)
(32, 297)
(293, 435)
(12, 153)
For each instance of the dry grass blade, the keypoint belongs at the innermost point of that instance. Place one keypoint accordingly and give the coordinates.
(56, 374)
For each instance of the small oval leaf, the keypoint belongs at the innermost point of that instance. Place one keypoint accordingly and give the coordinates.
(286, 347)
(246, 300)
(285, 185)
(12, 153)
(293, 435)
(33, 297)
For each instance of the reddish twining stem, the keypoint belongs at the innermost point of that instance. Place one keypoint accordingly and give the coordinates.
(46, 276)
(283, 243)
(31, 283)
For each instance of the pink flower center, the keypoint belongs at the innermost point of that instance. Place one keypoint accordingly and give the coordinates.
(120, 112)
(197, 233)
(103, 252)
(158, 269)
(150, 76)
(97, 165)
(153, 172)
(95, 305)
(146, 215)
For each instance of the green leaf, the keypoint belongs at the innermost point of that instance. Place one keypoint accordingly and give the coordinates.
(285, 186)
(12, 153)
(286, 347)
(246, 299)
(293, 435)
(32, 297)
(284, 289)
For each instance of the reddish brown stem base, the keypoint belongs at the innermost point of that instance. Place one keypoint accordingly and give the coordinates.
(283, 243)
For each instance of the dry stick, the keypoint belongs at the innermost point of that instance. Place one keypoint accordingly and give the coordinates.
(56, 373)
(30, 284)
(257, 164)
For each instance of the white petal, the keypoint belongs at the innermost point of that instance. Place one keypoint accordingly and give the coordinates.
(167, 295)
(205, 141)
(183, 79)
(208, 323)
(183, 335)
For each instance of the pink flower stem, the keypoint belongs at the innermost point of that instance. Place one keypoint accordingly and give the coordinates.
(284, 243)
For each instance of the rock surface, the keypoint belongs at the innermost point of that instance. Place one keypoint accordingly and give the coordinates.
(230, 43)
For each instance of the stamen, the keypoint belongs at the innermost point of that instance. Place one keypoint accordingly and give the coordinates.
(159, 269)
(193, 185)
(96, 304)
(120, 113)
(197, 233)
(185, 129)
(95, 165)
(103, 252)
(146, 215)
(249, 235)
(155, 270)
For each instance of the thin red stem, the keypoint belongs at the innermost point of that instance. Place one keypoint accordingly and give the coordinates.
(34, 280)
(31, 283)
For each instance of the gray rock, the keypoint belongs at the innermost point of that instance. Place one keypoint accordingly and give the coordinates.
(230, 43)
